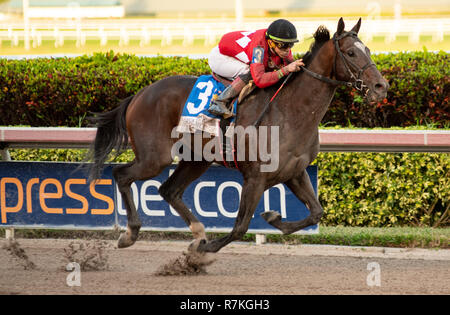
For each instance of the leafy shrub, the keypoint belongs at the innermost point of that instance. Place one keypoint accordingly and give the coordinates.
(385, 189)
(62, 91)
(418, 94)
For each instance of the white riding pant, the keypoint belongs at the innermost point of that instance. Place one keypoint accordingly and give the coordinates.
(226, 66)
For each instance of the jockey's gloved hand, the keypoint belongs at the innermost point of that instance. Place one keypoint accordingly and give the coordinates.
(295, 65)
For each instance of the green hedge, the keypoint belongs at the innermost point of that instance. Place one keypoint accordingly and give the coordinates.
(60, 92)
(355, 189)
(418, 95)
(385, 189)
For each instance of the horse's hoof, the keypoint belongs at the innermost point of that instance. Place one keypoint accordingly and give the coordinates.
(197, 246)
(125, 240)
(271, 216)
(197, 253)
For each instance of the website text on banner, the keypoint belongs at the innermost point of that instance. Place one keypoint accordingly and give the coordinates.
(57, 195)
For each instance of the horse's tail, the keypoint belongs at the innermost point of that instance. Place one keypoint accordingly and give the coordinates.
(111, 135)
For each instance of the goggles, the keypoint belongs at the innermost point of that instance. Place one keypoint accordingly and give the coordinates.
(283, 46)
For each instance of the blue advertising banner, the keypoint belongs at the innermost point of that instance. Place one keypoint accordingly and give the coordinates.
(57, 195)
(50, 195)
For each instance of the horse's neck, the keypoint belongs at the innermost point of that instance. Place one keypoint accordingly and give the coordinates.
(315, 95)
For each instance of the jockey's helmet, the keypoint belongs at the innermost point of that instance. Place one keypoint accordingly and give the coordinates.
(282, 31)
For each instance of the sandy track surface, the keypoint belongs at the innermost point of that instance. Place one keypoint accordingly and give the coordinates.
(241, 268)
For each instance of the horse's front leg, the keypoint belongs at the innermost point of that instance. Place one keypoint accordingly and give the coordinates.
(302, 188)
(252, 191)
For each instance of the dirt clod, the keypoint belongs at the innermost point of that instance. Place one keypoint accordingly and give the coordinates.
(189, 263)
(16, 251)
(90, 255)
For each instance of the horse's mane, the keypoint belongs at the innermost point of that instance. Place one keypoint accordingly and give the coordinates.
(321, 36)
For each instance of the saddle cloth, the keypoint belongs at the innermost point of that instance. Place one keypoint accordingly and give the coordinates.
(195, 115)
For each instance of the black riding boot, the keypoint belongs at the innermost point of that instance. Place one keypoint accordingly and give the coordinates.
(219, 106)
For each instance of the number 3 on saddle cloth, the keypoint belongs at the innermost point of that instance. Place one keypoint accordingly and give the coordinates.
(196, 118)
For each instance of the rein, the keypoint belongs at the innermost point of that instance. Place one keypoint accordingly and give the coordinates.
(258, 121)
(326, 79)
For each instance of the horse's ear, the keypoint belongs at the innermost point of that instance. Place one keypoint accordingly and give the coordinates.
(357, 26)
(341, 26)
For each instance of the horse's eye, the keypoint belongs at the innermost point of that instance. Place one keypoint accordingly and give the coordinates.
(350, 53)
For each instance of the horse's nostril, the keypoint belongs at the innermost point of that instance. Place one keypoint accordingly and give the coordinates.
(379, 86)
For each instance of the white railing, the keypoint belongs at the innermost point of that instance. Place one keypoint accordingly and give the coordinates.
(209, 31)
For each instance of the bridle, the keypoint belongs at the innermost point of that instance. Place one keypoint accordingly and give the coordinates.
(356, 82)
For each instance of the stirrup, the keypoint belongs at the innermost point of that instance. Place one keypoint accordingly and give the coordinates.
(220, 110)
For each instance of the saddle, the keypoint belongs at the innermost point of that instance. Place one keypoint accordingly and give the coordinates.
(249, 88)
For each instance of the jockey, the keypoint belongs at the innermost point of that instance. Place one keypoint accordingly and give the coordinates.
(263, 55)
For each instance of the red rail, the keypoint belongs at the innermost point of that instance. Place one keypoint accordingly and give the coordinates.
(343, 140)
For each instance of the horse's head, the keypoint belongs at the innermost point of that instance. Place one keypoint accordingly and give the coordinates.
(354, 64)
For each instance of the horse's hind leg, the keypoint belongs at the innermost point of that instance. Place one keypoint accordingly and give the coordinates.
(173, 188)
(125, 175)
(303, 190)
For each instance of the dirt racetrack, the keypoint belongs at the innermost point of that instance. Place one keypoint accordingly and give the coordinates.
(241, 268)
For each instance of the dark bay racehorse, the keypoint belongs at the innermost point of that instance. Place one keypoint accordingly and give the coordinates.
(148, 118)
